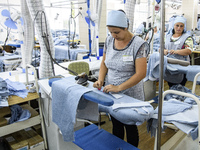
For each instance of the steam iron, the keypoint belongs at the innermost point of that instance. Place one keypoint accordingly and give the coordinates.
(82, 79)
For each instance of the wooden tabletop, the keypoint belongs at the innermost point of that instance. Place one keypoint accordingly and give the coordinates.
(12, 100)
(195, 51)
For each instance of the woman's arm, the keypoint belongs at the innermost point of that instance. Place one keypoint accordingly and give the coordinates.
(102, 73)
(183, 52)
(187, 48)
(103, 69)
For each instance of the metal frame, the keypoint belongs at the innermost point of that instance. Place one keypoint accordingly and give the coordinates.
(39, 101)
(180, 135)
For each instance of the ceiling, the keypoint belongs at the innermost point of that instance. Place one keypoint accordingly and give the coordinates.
(64, 3)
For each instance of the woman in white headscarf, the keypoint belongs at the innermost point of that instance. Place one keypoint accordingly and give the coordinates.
(179, 45)
(123, 67)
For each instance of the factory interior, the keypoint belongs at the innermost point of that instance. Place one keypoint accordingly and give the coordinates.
(99, 74)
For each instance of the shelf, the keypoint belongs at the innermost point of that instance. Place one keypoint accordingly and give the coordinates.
(8, 129)
(34, 120)
(12, 100)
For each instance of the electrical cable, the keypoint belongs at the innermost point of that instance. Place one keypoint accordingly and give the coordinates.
(34, 40)
(152, 33)
(46, 40)
(74, 33)
(8, 32)
(69, 22)
(69, 39)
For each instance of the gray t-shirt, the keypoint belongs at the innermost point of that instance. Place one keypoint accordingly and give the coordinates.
(121, 64)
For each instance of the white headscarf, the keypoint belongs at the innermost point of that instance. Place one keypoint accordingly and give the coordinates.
(181, 20)
(117, 18)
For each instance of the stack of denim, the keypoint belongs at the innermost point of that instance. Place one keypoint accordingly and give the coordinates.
(4, 92)
(16, 88)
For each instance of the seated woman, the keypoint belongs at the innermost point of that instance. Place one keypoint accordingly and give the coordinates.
(179, 45)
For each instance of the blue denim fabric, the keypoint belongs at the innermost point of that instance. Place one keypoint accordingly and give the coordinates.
(18, 114)
(17, 88)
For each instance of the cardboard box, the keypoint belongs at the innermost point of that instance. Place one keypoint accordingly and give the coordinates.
(20, 139)
(16, 142)
(34, 136)
(38, 129)
(11, 142)
(31, 141)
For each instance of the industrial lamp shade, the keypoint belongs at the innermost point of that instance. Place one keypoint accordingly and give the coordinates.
(158, 1)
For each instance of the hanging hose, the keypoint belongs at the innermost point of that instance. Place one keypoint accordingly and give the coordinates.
(46, 40)
(47, 44)
(45, 69)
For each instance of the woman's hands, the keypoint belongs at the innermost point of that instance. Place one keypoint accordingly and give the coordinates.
(170, 52)
(111, 88)
(108, 88)
(165, 52)
(98, 84)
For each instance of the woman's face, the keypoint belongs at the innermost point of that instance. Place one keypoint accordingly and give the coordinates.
(117, 33)
(155, 29)
(179, 27)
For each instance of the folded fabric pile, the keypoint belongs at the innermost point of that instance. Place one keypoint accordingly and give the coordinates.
(18, 114)
(4, 92)
(17, 88)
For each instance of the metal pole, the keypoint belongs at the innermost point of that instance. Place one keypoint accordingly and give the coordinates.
(152, 23)
(148, 13)
(162, 35)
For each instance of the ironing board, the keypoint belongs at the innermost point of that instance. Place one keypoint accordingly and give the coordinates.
(91, 138)
(92, 96)
(91, 133)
